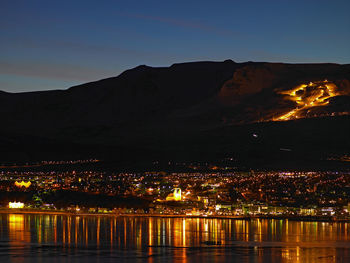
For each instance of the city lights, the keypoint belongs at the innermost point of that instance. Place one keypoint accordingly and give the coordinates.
(23, 184)
(16, 205)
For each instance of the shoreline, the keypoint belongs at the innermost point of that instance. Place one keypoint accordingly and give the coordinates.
(67, 213)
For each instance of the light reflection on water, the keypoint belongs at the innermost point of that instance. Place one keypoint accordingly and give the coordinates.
(61, 238)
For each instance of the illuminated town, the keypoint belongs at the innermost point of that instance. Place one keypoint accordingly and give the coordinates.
(175, 131)
(316, 195)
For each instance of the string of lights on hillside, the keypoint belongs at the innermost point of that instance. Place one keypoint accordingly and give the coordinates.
(307, 96)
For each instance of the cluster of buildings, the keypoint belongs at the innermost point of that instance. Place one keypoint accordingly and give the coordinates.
(206, 194)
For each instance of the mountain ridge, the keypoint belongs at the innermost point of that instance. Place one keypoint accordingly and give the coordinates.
(155, 108)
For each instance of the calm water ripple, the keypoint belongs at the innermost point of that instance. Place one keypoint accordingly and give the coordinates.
(60, 238)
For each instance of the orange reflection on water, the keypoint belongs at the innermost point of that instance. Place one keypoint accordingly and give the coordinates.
(69, 229)
(86, 231)
(183, 237)
(18, 229)
(98, 231)
(150, 232)
(55, 227)
(291, 241)
(76, 230)
(111, 232)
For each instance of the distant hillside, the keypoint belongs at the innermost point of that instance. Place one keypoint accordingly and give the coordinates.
(199, 110)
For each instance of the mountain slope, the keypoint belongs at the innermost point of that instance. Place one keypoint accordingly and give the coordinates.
(179, 111)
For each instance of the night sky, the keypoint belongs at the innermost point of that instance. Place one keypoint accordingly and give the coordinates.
(57, 44)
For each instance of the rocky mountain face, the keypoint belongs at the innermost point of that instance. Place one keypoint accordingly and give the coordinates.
(180, 110)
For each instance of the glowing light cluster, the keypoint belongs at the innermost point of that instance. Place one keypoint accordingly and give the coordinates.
(175, 196)
(16, 205)
(307, 96)
(23, 184)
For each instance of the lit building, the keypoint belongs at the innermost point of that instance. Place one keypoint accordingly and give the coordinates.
(23, 184)
(174, 196)
(16, 205)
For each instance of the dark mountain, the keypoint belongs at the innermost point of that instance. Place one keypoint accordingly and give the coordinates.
(189, 111)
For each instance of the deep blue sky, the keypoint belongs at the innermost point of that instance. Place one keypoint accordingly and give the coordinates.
(57, 44)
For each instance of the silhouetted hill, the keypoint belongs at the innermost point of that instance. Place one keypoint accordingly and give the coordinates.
(189, 111)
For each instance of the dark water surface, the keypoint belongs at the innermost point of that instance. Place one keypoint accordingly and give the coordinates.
(60, 238)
